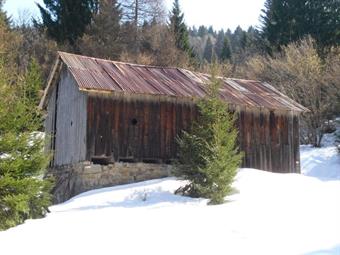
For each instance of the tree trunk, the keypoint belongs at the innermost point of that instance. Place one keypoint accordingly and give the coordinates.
(136, 43)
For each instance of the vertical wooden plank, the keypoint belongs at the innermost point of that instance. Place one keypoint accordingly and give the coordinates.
(162, 130)
(70, 124)
(296, 144)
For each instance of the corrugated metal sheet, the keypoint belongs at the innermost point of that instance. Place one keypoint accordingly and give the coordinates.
(105, 75)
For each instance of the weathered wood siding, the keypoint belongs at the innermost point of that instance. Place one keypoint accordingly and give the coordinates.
(145, 130)
(270, 140)
(66, 122)
(135, 129)
(50, 121)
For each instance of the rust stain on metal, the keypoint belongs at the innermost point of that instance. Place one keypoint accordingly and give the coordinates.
(105, 75)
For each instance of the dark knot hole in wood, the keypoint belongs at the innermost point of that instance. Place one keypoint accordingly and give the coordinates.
(134, 122)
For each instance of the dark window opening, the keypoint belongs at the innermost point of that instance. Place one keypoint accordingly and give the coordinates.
(71, 123)
(151, 161)
(101, 160)
(134, 122)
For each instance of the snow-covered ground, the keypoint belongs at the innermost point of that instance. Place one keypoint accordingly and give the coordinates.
(272, 214)
(323, 163)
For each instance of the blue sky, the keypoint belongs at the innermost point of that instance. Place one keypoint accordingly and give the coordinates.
(219, 13)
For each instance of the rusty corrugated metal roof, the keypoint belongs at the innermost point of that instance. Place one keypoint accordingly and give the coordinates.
(104, 75)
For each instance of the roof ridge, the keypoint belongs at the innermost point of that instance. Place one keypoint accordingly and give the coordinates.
(154, 66)
(115, 61)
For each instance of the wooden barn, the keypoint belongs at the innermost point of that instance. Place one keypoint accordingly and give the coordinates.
(104, 112)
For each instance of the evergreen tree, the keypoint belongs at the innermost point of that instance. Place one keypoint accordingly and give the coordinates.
(33, 83)
(202, 31)
(244, 40)
(211, 30)
(255, 44)
(3, 16)
(226, 50)
(236, 39)
(285, 21)
(208, 156)
(23, 194)
(278, 22)
(179, 28)
(103, 35)
(208, 50)
(219, 42)
(66, 20)
(228, 33)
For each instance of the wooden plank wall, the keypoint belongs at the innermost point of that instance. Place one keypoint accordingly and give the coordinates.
(70, 128)
(50, 124)
(269, 140)
(135, 129)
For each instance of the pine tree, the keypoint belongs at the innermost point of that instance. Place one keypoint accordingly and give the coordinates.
(180, 33)
(179, 28)
(208, 50)
(255, 44)
(103, 36)
(66, 20)
(202, 31)
(236, 39)
(33, 82)
(208, 156)
(211, 30)
(3, 16)
(285, 21)
(219, 42)
(277, 24)
(23, 194)
(226, 50)
(244, 40)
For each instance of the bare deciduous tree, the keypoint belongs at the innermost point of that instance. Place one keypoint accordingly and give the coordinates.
(139, 11)
(158, 48)
(301, 74)
(136, 13)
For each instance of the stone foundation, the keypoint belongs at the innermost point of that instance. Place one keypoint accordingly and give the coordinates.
(72, 180)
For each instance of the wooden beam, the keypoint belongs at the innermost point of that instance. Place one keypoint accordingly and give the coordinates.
(52, 80)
